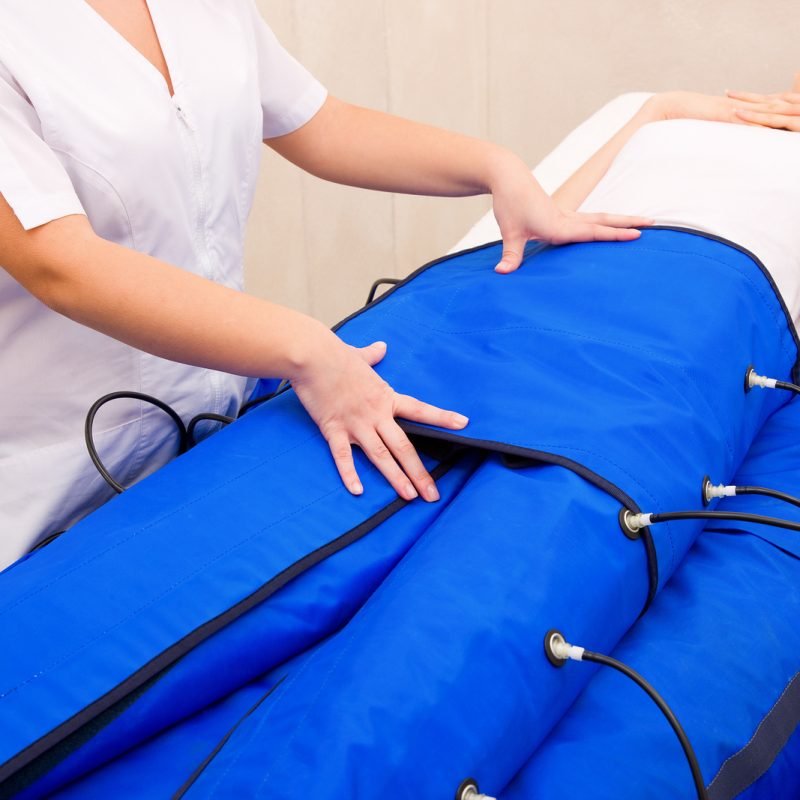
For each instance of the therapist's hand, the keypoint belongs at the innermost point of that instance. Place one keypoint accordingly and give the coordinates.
(352, 405)
(525, 212)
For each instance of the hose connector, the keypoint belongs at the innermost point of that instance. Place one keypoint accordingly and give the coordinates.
(558, 650)
(632, 524)
(712, 491)
(468, 790)
(752, 380)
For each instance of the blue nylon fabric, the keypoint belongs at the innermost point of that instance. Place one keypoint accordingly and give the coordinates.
(620, 358)
(168, 555)
(159, 767)
(310, 607)
(720, 643)
(441, 672)
(768, 464)
(598, 355)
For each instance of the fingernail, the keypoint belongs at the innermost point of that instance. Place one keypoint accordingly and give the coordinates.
(461, 420)
(356, 487)
(431, 493)
(409, 492)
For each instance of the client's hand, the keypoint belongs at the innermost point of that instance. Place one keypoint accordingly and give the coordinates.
(780, 110)
(351, 405)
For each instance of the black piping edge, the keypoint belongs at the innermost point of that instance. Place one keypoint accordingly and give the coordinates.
(196, 637)
(766, 273)
(534, 246)
(746, 766)
(201, 768)
(592, 477)
(561, 461)
(424, 268)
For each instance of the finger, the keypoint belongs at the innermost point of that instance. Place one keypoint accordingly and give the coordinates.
(754, 97)
(777, 121)
(513, 251)
(406, 456)
(605, 233)
(587, 232)
(749, 97)
(373, 354)
(342, 452)
(379, 454)
(616, 220)
(776, 106)
(416, 411)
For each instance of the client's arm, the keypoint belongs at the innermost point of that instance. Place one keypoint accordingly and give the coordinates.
(668, 105)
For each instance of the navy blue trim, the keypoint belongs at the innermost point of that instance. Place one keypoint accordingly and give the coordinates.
(20, 770)
(539, 246)
(544, 457)
(760, 264)
(201, 768)
(746, 766)
(196, 637)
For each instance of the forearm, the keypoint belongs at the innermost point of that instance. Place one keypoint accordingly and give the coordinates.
(369, 149)
(164, 310)
(571, 194)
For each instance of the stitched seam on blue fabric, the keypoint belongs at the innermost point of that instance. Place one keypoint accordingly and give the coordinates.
(39, 589)
(261, 722)
(209, 759)
(278, 695)
(296, 728)
(713, 409)
(167, 591)
(557, 447)
(366, 612)
(769, 298)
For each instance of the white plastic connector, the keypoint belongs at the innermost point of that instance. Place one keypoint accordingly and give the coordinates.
(637, 521)
(565, 651)
(471, 793)
(754, 379)
(714, 491)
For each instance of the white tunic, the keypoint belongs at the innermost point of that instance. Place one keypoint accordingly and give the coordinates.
(87, 125)
(736, 181)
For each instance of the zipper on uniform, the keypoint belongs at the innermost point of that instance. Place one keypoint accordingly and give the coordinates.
(201, 239)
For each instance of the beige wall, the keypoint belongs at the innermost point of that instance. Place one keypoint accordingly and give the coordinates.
(521, 72)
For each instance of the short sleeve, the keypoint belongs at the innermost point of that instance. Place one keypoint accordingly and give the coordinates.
(32, 179)
(290, 94)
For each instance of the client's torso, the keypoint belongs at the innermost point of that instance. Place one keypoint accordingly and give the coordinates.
(735, 181)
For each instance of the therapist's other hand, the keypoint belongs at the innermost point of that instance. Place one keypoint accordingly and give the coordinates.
(352, 405)
(525, 212)
(780, 110)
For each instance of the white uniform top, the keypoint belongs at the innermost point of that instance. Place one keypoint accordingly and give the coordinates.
(735, 181)
(87, 125)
